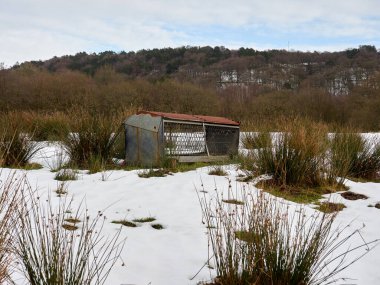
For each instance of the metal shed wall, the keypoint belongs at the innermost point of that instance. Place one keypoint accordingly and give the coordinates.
(144, 140)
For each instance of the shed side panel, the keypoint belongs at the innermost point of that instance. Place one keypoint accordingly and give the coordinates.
(131, 144)
(149, 148)
(222, 140)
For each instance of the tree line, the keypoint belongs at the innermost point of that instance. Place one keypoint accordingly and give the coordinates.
(338, 88)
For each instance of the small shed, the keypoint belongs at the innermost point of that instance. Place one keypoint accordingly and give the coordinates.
(152, 136)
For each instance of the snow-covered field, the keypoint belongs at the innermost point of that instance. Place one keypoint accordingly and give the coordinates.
(174, 255)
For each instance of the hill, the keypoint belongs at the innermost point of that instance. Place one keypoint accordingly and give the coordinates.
(245, 84)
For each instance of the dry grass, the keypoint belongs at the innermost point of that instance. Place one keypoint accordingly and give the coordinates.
(11, 188)
(267, 242)
(256, 140)
(147, 173)
(355, 156)
(92, 138)
(16, 146)
(144, 220)
(157, 226)
(125, 223)
(217, 170)
(296, 157)
(52, 251)
(330, 207)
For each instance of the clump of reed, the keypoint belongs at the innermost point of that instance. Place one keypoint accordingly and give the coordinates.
(355, 155)
(217, 170)
(52, 126)
(90, 143)
(295, 157)
(256, 140)
(305, 156)
(16, 143)
(264, 241)
(51, 250)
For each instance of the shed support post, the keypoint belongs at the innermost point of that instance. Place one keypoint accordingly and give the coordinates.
(204, 131)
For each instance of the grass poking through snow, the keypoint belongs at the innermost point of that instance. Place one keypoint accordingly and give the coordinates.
(157, 226)
(144, 220)
(125, 223)
(330, 207)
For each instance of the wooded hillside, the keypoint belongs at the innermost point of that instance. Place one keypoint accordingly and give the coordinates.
(340, 88)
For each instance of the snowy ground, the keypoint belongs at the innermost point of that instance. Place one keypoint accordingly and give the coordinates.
(175, 254)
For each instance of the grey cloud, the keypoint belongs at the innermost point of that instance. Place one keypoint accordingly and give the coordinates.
(49, 27)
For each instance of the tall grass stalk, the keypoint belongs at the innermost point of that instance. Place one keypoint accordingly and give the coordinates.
(10, 190)
(52, 252)
(264, 241)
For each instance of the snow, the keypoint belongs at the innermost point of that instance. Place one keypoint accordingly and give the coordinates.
(176, 253)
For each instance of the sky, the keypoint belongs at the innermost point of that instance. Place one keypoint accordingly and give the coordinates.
(42, 29)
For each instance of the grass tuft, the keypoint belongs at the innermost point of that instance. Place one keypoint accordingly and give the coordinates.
(16, 146)
(147, 173)
(233, 201)
(72, 220)
(330, 207)
(266, 241)
(353, 196)
(355, 156)
(91, 142)
(52, 251)
(296, 156)
(70, 227)
(144, 220)
(303, 195)
(157, 226)
(218, 171)
(125, 223)
(66, 175)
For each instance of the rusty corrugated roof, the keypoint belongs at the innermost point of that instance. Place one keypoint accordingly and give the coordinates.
(193, 118)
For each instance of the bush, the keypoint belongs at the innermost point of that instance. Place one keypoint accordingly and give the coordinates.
(263, 241)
